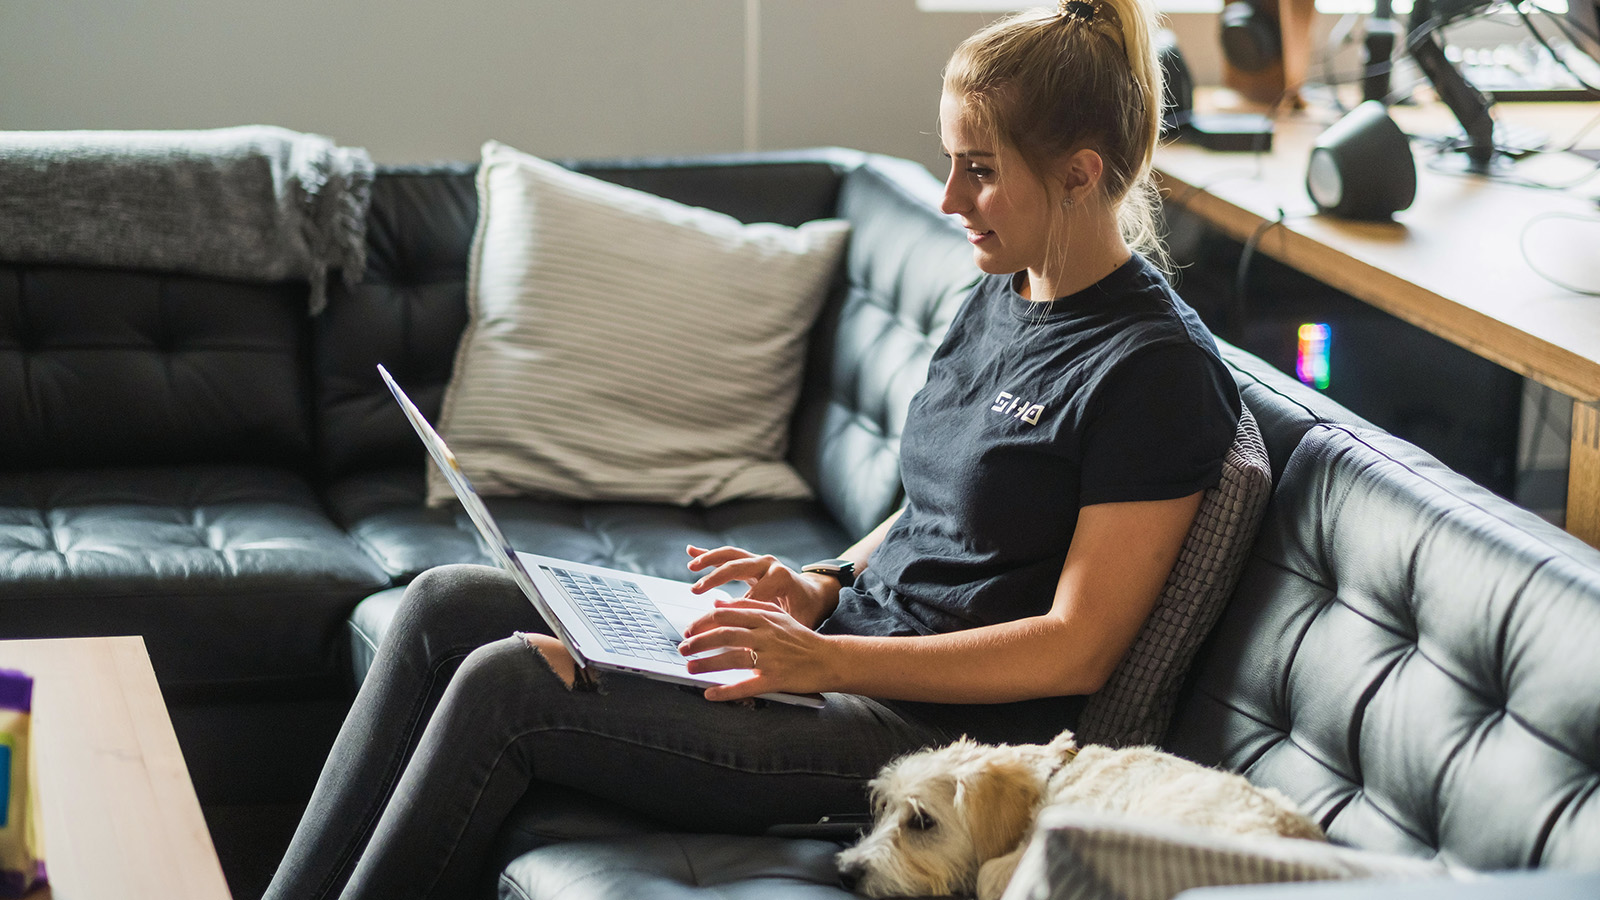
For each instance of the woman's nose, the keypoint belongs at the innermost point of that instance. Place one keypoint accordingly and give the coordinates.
(955, 200)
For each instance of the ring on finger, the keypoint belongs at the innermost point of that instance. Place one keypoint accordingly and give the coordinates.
(753, 662)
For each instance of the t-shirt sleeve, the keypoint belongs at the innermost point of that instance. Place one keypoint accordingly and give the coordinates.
(1161, 427)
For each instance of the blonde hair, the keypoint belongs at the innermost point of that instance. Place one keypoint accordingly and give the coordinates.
(1084, 75)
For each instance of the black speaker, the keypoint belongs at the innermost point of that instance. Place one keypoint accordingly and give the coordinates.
(1361, 167)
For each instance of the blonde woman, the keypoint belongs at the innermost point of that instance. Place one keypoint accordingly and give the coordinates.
(1053, 464)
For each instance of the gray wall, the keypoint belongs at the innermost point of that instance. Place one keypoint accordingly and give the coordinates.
(413, 81)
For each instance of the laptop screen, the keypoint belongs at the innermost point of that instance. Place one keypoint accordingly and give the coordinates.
(499, 547)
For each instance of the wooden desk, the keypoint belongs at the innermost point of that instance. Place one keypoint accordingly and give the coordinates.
(120, 816)
(1451, 264)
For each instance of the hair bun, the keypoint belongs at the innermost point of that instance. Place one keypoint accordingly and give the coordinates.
(1077, 9)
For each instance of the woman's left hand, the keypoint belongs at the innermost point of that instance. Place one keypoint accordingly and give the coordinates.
(760, 635)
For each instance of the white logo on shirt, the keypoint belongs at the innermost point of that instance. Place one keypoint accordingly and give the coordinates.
(1010, 404)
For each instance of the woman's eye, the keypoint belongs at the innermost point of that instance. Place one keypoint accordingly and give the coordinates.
(979, 171)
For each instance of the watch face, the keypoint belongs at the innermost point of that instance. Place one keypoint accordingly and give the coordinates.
(1323, 181)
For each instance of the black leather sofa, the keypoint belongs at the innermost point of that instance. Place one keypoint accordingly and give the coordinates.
(199, 462)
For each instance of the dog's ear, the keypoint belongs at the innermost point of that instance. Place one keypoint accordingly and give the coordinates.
(998, 801)
(1063, 746)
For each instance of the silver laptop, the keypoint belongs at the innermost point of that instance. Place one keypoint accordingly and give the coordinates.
(606, 618)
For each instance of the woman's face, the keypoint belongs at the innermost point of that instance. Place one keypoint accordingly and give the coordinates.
(1004, 206)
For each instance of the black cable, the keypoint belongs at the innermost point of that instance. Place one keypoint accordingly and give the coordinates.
(1435, 164)
(1240, 308)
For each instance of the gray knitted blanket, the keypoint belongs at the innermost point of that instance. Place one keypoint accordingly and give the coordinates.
(253, 203)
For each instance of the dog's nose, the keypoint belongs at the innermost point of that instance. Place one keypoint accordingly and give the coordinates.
(849, 875)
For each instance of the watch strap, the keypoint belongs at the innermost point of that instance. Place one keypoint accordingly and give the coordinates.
(843, 570)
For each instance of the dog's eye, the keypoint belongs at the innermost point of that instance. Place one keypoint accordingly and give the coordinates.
(920, 820)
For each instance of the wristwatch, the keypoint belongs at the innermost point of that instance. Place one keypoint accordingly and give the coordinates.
(842, 569)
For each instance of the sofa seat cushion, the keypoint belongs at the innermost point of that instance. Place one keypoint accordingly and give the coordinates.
(384, 512)
(1412, 659)
(682, 866)
(233, 574)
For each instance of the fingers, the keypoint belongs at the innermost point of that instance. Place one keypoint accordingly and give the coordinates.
(700, 558)
(733, 564)
(736, 658)
(718, 616)
(739, 690)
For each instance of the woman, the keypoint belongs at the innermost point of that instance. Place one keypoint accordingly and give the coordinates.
(1053, 464)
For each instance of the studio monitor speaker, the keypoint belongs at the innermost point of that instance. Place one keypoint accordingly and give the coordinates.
(1361, 167)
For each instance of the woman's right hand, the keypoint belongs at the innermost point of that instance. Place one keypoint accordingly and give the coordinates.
(809, 597)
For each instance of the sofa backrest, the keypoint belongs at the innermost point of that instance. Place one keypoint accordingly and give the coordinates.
(904, 275)
(407, 313)
(907, 271)
(1413, 659)
(108, 368)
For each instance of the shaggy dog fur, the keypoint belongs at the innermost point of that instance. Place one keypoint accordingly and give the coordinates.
(954, 819)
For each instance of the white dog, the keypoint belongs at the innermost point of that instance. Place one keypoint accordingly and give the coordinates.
(955, 818)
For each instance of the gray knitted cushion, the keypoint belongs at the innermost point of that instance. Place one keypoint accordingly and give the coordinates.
(1136, 703)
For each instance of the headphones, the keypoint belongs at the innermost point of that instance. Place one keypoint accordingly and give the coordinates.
(1250, 37)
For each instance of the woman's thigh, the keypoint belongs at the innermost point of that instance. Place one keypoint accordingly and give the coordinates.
(668, 752)
(663, 749)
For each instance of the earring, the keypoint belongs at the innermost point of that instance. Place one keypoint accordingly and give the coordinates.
(1068, 201)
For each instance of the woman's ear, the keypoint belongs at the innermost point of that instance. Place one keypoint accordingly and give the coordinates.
(1078, 173)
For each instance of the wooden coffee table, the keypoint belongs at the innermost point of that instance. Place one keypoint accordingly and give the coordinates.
(120, 816)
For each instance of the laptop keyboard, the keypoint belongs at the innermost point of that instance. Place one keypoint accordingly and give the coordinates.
(624, 617)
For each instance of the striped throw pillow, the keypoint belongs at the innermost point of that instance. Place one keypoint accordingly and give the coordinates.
(622, 346)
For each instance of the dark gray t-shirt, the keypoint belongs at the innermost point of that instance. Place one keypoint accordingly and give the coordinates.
(1030, 412)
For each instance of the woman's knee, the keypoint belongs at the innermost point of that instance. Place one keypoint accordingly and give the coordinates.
(555, 655)
(444, 585)
(510, 668)
(454, 598)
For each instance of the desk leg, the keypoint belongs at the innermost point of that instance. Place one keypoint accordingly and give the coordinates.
(1583, 473)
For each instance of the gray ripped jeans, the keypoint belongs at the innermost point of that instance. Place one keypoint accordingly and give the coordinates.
(458, 717)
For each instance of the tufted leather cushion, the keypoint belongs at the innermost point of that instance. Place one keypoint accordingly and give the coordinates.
(1412, 659)
(232, 573)
(407, 312)
(102, 367)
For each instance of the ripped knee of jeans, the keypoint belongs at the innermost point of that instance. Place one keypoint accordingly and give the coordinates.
(563, 666)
